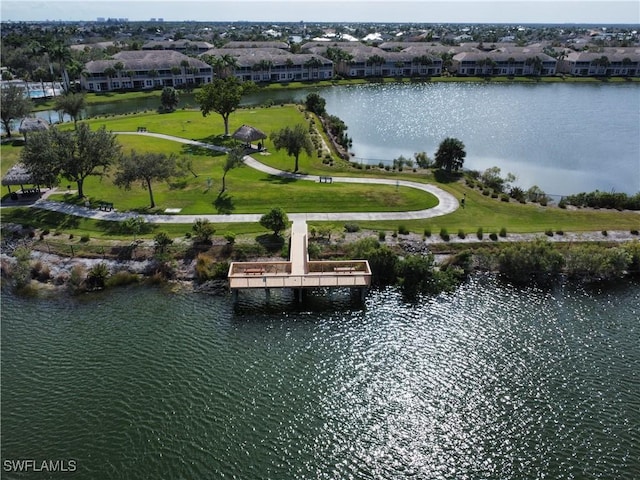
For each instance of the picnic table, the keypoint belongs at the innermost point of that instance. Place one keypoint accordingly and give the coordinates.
(326, 179)
(105, 206)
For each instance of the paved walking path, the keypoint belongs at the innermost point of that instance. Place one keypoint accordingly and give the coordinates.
(447, 202)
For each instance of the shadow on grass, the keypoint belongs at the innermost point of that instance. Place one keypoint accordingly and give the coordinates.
(200, 151)
(280, 180)
(224, 203)
(443, 176)
(41, 218)
(270, 242)
(122, 228)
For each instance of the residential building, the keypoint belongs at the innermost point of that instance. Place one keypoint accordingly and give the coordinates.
(274, 65)
(145, 69)
(604, 62)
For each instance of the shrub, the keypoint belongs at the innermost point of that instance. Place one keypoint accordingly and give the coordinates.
(548, 232)
(205, 268)
(203, 230)
(562, 203)
(121, 279)
(461, 234)
(605, 233)
(45, 232)
(494, 195)
(486, 192)
(351, 227)
(535, 261)
(503, 232)
(162, 241)
(71, 236)
(230, 237)
(480, 234)
(403, 230)
(493, 236)
(444, 234)
(382, 236)
(84, 238)
(634, 232)
(97, 276)
(560, 232)
(427, 232)
(594, 263)
(504, 197)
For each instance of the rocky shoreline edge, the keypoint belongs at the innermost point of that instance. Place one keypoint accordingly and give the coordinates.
(55, 272)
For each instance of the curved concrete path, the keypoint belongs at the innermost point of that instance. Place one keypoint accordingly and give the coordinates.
(447, 202)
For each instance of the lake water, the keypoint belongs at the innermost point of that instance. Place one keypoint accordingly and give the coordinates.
(565, 138)
(489, 381)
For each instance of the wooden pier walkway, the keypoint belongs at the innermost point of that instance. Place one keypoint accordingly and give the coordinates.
(299, 272)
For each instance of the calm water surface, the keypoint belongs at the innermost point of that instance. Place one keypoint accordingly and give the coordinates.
(566, 138)
(487, 382)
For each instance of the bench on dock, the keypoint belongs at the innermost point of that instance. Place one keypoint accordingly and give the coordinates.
(326, 179)
(105, 206)
(142, 129)
(254, 271)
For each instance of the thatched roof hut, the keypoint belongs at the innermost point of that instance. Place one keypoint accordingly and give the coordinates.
(17, 175)
(31, 124)
(248, 134)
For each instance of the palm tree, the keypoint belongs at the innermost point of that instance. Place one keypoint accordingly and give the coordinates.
(230, 64)
(312, 63)
(109, 73)
(60, 52)
(376, 61)
(450, 155)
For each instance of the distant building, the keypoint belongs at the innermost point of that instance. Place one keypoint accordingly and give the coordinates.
(273, 65)
(139, 70)
(607, 62)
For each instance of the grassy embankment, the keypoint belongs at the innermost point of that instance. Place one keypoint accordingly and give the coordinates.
(253, 192)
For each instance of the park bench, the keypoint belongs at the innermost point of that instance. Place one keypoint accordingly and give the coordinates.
(142, 129)
(326, 179)
(105, 206)
(344, 269)
(31, 191)
(254, 271)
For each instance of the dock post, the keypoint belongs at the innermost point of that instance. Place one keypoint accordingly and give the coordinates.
(299, 295)
(267, 293)
(234, 293)
(363, 294)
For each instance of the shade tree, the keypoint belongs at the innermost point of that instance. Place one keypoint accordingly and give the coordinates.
(294, 140)
(145, 168)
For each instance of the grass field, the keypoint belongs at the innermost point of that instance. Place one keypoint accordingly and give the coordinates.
(249, 191)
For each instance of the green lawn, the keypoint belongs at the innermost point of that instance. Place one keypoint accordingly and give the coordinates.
(249, 191)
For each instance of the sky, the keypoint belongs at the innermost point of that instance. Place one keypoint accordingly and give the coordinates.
(391, 11)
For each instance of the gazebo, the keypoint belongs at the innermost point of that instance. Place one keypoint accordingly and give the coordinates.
(248, 134)
(32, 124)
(19, 175)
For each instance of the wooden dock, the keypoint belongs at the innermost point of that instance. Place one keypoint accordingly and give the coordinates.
(299, 272)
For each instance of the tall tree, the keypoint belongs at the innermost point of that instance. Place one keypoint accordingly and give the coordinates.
(234, 159)
(294, 141)
(450, 155)
(145, 168)
(75, 155)
(316, 104)
(169, 99)
(13, 105)
(222, 96)
(38, 155)
(72, 104)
